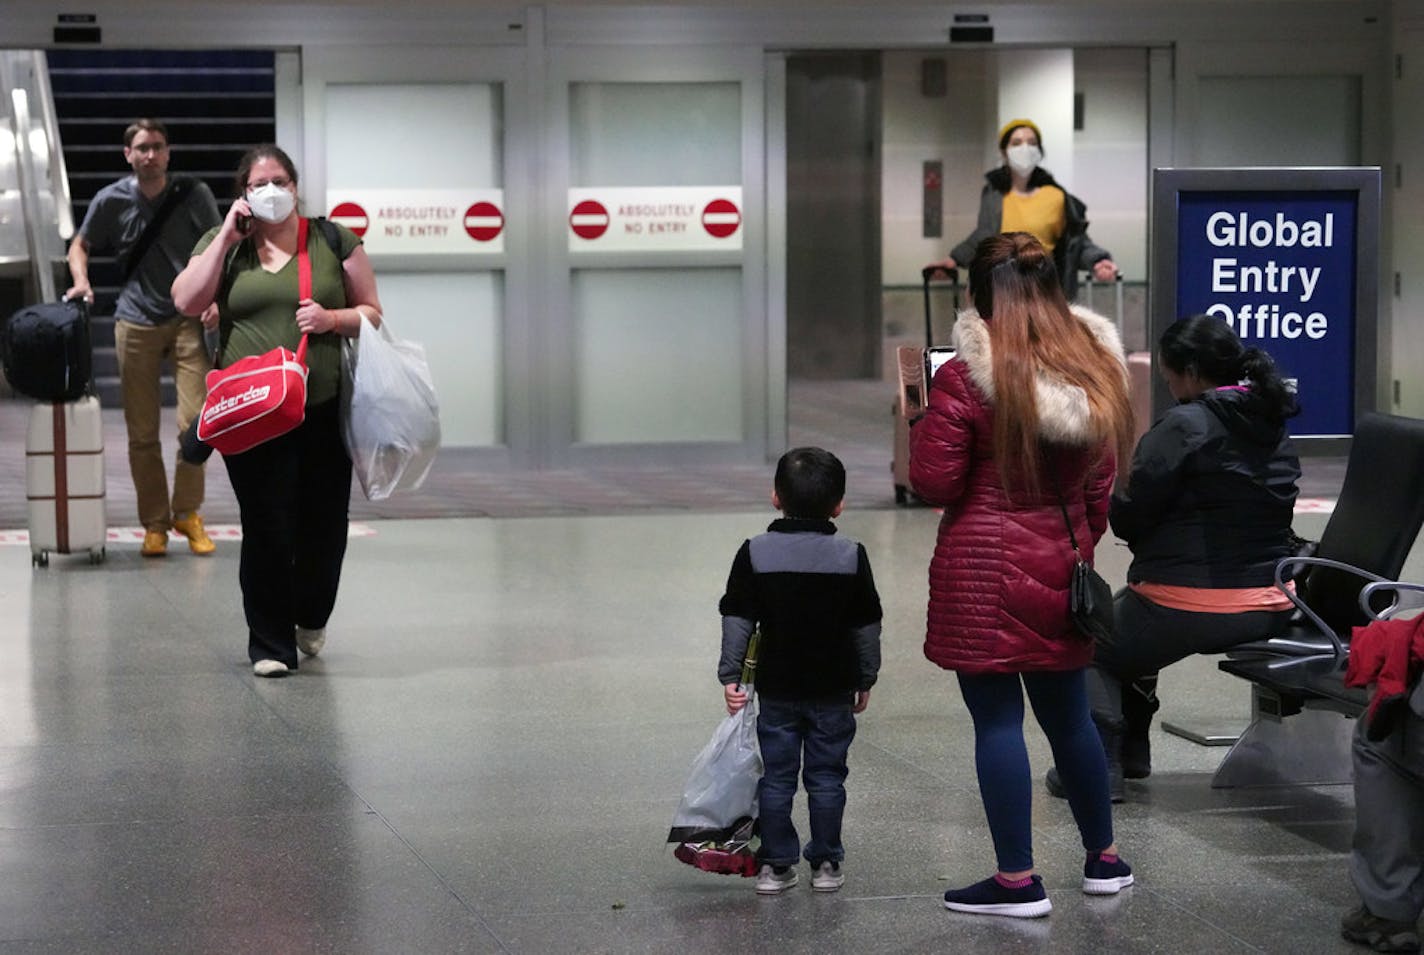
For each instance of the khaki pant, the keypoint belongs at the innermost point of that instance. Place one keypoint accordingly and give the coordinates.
(141, 351)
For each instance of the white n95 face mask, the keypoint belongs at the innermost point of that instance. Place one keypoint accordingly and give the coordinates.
(271, 203)
(1024, 158)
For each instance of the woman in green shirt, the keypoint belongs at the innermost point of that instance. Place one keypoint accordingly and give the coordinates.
(293, 491)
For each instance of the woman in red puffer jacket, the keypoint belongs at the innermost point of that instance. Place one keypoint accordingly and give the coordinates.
(1032, 411)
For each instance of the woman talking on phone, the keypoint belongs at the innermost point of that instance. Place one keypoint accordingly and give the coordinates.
(294, 490)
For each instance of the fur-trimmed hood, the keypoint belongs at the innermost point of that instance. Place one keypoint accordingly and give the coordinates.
(1063, 415)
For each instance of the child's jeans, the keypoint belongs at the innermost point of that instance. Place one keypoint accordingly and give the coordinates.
(822, 732)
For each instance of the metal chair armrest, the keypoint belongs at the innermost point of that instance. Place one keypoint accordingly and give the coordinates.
(1294, 562)
(1384, 586)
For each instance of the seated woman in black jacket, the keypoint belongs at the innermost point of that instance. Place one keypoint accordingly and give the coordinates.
(1207, 513)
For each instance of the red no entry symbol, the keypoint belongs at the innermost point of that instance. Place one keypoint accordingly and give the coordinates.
(589, 219)
(352, 216)
(721, 218)
(484, 221)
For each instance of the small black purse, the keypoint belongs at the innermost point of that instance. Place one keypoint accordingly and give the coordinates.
(1090, 602)
(1090, 599)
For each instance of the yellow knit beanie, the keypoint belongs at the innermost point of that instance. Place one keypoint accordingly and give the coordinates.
(1014, 124)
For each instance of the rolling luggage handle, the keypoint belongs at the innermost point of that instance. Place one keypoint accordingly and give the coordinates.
(1093, 284)
(928, 274)
(914, 382)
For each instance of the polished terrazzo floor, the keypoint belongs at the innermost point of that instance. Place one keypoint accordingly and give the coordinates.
(486, 757)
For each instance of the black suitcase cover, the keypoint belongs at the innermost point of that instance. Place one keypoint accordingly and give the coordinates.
(46, 350)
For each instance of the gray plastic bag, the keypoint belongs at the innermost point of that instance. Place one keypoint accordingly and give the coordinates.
(721, 791)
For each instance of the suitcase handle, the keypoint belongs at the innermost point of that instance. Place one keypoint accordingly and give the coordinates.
(933, 273)
(1092, 285)
(947, 275)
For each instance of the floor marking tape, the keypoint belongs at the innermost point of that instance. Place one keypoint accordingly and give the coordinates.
(134, 535)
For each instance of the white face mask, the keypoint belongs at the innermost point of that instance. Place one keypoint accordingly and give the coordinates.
(1024, 158)
(271, 203)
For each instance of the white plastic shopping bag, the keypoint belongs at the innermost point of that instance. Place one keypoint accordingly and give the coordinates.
(391, 419)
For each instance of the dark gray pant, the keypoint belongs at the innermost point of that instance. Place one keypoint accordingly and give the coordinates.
(1387, 862)
(1147, 637)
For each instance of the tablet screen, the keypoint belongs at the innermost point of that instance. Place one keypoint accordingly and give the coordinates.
(935, 356)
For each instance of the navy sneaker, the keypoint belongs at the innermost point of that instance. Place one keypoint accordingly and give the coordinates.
(1101, 877)
(991, 898)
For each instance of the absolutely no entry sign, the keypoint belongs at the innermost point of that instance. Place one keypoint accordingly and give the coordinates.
(484, 221)
(721, 218)
(422, 221)
(656, 219)
(589, 219)
(352, 216)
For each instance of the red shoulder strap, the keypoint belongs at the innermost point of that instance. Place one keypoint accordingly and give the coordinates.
(304, 279)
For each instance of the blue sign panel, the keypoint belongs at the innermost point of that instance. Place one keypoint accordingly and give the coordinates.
(1279, 267)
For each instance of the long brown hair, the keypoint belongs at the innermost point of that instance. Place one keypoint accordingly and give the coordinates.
(1016, 291)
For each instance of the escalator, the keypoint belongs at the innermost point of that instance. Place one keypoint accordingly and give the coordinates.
(36, 217)
(76, 104)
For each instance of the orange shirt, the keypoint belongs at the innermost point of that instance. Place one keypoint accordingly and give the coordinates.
(1216, 599)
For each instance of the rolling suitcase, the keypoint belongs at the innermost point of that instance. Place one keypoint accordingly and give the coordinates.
(64, 480)
(900, 461)
(1139, 364)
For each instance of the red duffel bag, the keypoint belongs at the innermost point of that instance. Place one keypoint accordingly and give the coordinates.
(260, 397)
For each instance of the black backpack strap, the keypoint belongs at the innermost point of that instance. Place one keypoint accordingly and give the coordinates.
(178, 190)
(330, 233)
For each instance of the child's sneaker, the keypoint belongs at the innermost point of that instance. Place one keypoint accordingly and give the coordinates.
(772, 882)
(992, 897)
(1105, 875)
(827, 877)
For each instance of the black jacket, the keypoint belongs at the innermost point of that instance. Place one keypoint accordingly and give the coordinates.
(814, 598)
(1211, 495)
(1074, 251)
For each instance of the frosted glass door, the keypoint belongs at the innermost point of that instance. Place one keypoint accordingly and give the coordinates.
(658, 335)
(447, 293)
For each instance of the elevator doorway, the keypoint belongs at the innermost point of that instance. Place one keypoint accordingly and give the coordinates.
(833, 215)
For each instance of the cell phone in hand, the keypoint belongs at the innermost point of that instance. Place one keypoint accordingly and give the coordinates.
(244, 225)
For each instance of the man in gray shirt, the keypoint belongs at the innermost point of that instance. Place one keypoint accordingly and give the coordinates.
(148, 328)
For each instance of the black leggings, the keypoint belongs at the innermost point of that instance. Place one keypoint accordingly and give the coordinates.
(294, 492)
(1148, 637)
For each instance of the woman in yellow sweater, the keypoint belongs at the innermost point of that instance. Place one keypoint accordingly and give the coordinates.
(1021, 196)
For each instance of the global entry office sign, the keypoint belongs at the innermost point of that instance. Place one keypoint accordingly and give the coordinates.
(1289, 259)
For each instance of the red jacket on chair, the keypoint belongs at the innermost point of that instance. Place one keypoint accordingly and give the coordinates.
(1000, 572)
(1389, 654)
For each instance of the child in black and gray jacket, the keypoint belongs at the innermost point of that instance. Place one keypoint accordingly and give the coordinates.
(813, 596)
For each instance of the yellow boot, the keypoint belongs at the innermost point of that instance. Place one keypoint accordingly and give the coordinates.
(191, 527)
(155, 543)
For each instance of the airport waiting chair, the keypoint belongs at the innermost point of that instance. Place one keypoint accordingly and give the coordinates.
(1296, 735)
(1376, 520)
